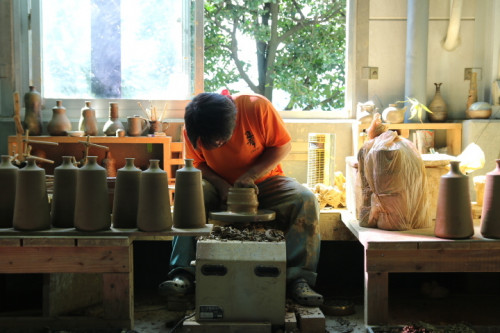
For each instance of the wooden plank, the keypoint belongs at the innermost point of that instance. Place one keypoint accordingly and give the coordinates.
(193, 326)
(9, 242)
(118, 296)
(456, 260)
(332, 228)
(310, 319)
(108, 241)
(64, 259)
(49, 241)
(63, 323)
(376, 298)
(66, 292)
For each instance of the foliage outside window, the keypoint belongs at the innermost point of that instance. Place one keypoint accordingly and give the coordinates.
(298, 48)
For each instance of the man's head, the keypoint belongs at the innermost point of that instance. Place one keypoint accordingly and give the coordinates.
(210, 118)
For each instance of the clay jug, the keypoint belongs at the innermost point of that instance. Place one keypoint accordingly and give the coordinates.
(189, 205)
(59, 124)
(33, 112)
(8, 179)
(92, 211)
(31, 209)
(113, 124)
(126, 198)
(64, 196)
(242, 200)
(88, 121)
(490, 217)
(154, 212)
(454, 213)
(438, 107)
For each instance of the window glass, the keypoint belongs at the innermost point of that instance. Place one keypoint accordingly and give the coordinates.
(122, 49)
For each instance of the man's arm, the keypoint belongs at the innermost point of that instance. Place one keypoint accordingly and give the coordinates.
(265, 163)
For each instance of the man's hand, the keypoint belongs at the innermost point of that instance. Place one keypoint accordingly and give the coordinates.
(246, 181)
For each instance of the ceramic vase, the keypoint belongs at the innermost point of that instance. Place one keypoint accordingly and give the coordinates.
(154, 212)
(92, 212)
(189, 204)
(393, 115)
(8, 179)
(64, 196)
(490, 216)
(126, 198)
(113, 124)
(242, 200)
(454, 213)
(33, 112)
(438, 107)
(59, 124)
(31, 209)
(88, 121)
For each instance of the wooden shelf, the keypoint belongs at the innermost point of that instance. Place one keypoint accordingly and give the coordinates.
(453, 132)
(141, 148)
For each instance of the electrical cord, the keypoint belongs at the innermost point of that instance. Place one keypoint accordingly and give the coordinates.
(179, 323)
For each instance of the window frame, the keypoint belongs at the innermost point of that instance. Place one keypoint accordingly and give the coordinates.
(128, 107)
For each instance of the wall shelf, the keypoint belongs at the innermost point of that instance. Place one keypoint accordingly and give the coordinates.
(453, 133)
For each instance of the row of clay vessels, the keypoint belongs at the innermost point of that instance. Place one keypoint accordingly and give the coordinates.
(454, 213)
(81, 199)
(60, 125)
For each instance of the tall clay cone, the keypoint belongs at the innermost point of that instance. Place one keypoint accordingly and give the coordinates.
(189, 205)
(64, 196)
(490, 217)
(92, 201)
(154, 212)
(454, 213)
(8, 179)
(31, 210)
(126, 198)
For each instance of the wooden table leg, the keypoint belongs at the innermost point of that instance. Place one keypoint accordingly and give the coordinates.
(376, 298)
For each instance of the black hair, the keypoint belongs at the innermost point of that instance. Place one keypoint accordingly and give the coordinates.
(210, 117)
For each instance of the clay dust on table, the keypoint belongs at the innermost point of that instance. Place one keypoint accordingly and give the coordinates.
(255, 233)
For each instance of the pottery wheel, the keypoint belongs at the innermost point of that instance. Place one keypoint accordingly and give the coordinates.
(262, 215)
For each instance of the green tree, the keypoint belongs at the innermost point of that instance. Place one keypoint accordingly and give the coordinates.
(299, 47)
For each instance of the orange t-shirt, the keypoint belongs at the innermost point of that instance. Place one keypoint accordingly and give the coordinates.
(258, 126)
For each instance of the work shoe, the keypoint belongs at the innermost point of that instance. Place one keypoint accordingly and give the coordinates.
(179, 285)
(303, 294)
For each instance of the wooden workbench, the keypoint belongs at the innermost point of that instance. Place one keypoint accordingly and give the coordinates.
(415, 251)
(58, 250)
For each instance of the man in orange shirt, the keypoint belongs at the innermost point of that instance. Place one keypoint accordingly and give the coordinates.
(239, 141)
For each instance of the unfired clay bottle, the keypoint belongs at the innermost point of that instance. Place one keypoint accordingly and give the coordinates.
(92, 212)
(33, 112)
(189, 205)
(8, 179)
(126, 198)
(454, 213)
(154, 212)
(88, 121)
(31, 209)
(59, 124)
(113, 124)
(438, 107)
(64, 196)
(490, 217)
